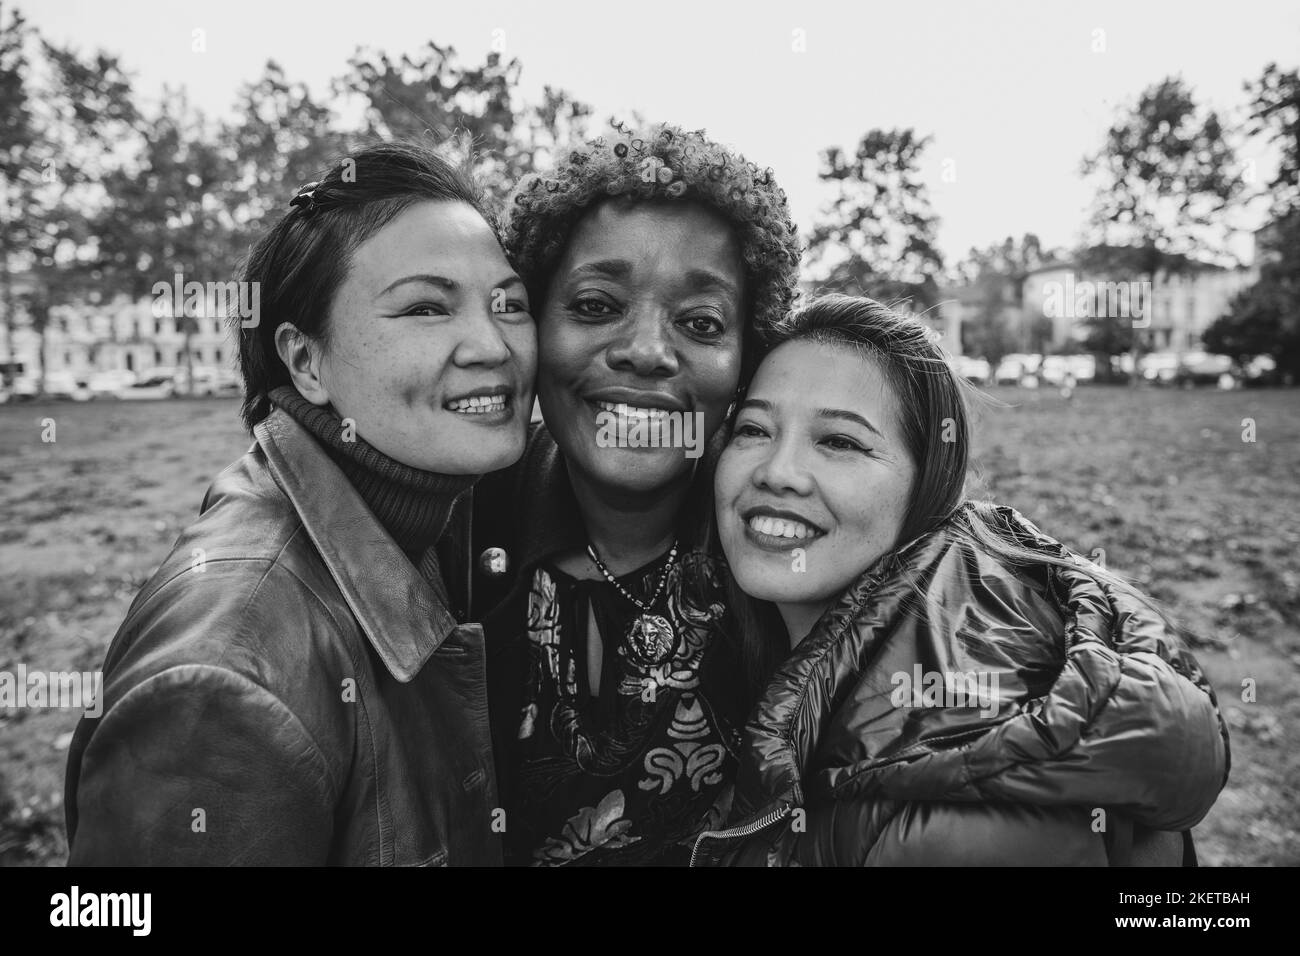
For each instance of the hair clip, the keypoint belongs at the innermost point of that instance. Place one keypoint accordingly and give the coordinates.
(306, 197)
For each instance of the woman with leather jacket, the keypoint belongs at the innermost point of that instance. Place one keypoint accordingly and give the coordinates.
(949, 685)
(290, 686)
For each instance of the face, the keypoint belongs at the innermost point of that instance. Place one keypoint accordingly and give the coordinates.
(641, 333)
(813, 486)
(431, 349)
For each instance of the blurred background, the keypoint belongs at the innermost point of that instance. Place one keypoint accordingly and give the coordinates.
(1097, 209)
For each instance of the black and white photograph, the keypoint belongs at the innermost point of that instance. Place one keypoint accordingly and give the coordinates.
(702, 435)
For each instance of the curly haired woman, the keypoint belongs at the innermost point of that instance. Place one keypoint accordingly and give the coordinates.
(653, 258)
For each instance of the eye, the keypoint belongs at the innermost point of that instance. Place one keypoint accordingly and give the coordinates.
(844, 443)
(513, 305)
(593, 307)
(426, 308)
(703, 324)
(747, 430)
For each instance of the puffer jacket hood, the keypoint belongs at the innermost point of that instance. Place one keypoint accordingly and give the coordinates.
(1085, 701)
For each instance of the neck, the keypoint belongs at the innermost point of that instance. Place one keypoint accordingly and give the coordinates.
(627, 529)
(800, 619)
(412, 504)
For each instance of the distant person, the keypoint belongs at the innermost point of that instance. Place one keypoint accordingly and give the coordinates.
(949, 686)
(290, 687)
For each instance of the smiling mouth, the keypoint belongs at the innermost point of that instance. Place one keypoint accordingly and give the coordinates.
(478, 404)
(781, 527)
(635, 413)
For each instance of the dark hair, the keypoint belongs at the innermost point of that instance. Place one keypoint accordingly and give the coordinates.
(933, 417)
(301, 261)
(663, 164)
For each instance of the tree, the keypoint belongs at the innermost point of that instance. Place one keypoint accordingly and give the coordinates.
(167, 215)
(61, 125)
(877, 237)
(997, 275)
(284, 139)
(17, 165)
(469, 110)
(1275, 111)
(1166, 172)
(1265, 318)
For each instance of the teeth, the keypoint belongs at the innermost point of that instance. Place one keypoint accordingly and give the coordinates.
(780, 527)
(635, 413)
(479, 405)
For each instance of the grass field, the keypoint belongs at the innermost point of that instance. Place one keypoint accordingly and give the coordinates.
(1160, 481)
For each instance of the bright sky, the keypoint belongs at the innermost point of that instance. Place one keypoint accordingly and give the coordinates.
(1012, 92)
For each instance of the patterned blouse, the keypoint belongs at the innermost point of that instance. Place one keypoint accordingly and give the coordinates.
(631, 774)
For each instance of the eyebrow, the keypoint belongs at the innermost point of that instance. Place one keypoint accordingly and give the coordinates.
(695, 279)
(611, 268)
(443, 282)
(708, 279)
(844, 413)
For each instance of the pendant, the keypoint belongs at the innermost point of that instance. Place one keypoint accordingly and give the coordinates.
(652, 639)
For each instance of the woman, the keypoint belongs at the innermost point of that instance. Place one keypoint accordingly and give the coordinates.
(290, 687)
(957, 687)
(651, 258)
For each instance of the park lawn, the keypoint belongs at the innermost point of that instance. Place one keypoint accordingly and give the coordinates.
(1161, 481)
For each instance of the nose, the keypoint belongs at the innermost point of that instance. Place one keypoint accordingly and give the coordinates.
(784, 469)
(643, 345)
(481, 342)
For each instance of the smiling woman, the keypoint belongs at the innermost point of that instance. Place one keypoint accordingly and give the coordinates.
(290, 687)
(615, 689)
(1061, 722)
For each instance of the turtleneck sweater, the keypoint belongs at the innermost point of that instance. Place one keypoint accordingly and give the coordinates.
(413, 505)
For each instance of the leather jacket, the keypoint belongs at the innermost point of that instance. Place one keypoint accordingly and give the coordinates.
(1097, 738)
(287, 689)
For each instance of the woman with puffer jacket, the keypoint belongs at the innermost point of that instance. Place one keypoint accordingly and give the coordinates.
(957, 688)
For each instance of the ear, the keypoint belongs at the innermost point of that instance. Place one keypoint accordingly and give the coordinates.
(301, 355)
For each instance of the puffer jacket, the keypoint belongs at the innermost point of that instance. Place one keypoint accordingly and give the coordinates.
(1096, 738)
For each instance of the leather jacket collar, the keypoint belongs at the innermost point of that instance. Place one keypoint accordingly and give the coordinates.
(404, 616)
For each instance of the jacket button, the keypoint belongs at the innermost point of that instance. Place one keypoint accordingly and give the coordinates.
(494, 562)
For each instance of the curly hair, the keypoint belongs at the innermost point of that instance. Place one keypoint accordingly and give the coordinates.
(669, 164)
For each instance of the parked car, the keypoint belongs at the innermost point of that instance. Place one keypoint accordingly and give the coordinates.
(975, 370)
(57, 385)
(1014, 368)
(110, 382)
(1160, 368)
(24, 387)
(1203, 368)
(1082, 367)
(155, 386)
(66, 385)
(1261, 371)
(209, 380)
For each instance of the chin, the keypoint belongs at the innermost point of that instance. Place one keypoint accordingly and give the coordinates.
(478, 458)
(633, 470)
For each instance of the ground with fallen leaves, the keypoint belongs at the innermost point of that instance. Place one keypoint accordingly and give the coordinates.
(1161, 481)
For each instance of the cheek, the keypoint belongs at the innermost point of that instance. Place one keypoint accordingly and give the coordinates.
(561, 352)
(876, 519)
(717, 376)
(728, 478)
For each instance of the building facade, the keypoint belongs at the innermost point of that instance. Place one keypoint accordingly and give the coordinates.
(122, 335)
